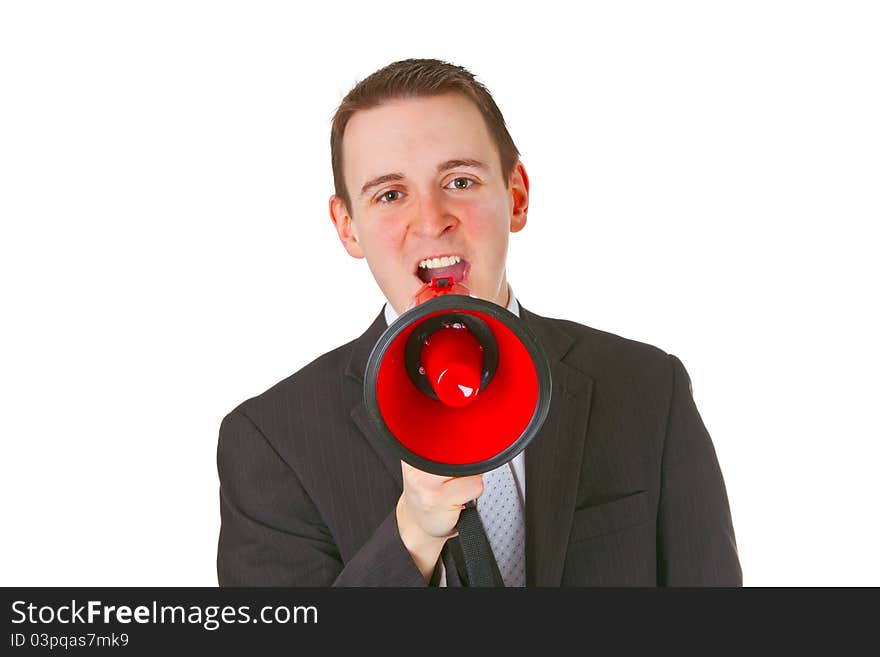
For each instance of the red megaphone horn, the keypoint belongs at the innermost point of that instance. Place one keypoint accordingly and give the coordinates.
(457, 385)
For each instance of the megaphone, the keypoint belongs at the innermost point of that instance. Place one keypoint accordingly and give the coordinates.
(457, 385)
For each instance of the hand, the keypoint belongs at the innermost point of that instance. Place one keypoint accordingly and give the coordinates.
(428, 511)
(433, 503)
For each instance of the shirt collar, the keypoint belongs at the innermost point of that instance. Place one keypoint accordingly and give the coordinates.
(512, 306)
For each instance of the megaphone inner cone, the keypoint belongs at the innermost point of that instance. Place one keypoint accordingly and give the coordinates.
(453, 362)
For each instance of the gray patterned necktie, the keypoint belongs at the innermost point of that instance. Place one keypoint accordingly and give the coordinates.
(501, 511)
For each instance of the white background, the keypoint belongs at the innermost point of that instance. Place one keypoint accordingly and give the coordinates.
(704, 178)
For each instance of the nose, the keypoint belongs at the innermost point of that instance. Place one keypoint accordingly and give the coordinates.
(433, 217)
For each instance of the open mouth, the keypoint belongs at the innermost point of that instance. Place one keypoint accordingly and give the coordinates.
(442, 266)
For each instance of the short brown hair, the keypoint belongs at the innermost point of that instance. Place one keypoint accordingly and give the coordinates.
(415, 78)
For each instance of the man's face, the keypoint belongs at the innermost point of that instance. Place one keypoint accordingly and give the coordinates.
(425, 182)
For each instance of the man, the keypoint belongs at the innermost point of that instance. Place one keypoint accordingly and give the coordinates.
(622, 485)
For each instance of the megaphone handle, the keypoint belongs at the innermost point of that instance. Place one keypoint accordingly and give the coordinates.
(482, 570)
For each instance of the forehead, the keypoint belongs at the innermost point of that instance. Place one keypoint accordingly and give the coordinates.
(411, 135)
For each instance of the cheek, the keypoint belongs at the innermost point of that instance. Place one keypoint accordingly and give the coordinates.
(486, 220)
(384, 232)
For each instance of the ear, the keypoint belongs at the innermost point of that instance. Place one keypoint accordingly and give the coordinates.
(519, 195)
(345, 228)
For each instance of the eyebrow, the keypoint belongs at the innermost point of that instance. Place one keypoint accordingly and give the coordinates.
(454, 164)
(443, 166)
(381, 180)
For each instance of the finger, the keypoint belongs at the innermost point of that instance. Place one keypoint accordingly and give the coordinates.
(463, 489)
(415, 474)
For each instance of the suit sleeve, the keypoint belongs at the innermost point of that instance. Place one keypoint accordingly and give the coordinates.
(696, 542)
(271, 533)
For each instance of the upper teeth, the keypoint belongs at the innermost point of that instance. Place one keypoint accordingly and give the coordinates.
(445, 261)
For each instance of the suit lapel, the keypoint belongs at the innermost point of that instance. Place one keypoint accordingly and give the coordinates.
(553, 458)
(390, 460)
(357, 365)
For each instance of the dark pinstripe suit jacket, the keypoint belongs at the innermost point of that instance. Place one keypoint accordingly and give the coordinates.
(623, 485)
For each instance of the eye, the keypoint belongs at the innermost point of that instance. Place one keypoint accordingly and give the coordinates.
(462, 183)
(390, 196)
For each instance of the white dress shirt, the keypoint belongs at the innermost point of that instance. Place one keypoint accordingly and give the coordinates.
(519, 462)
